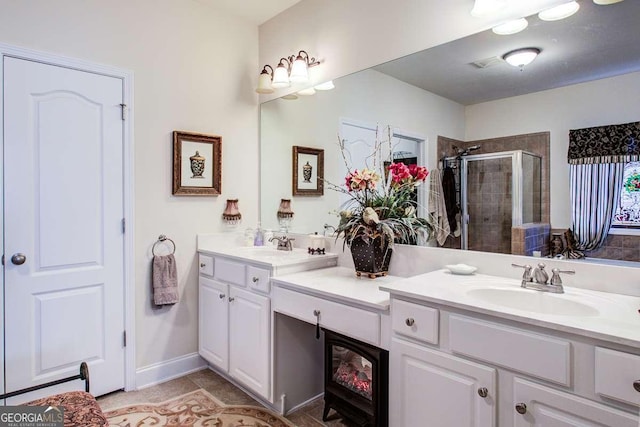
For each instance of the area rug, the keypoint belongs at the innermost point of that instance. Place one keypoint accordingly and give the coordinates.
(197, 409)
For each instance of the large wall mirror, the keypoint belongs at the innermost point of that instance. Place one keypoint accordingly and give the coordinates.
(586, 74)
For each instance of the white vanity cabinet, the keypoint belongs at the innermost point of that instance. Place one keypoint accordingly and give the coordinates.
(450, 366)
(234, 322)
(433, 388)
(235, 317)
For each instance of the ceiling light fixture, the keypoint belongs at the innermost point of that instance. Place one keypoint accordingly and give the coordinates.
(521, 57)
(559, 12)
(482, 8)
(294, 68)
(606, 2)
(511, 27)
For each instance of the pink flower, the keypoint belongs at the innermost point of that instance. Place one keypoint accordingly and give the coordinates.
(419, 173)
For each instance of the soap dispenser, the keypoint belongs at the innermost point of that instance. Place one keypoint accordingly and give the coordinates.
(258, 240)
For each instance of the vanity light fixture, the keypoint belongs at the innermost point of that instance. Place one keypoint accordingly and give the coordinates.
(559, 12)
(482, 8)
(325, 86)
(294, 68)
(264, 81)
(606, 2)
(307, 92)
(521, 57)
(511, 27)
(290, 97)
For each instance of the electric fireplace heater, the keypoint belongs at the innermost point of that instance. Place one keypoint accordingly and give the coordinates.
(356, 380)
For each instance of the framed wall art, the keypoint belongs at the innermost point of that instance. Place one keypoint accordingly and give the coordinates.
(308, 171)
(197, 164)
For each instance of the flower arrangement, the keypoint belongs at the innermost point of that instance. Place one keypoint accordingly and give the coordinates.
(378, 207)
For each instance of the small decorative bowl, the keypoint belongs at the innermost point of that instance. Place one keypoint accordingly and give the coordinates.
(462, 269)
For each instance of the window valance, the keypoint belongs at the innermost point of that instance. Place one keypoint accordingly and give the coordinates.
(605, 144)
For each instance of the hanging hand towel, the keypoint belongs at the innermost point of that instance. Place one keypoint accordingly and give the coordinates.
(449, 191)
(165, 280)
(438, 209)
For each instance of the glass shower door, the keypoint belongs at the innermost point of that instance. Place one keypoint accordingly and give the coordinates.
(487, 203)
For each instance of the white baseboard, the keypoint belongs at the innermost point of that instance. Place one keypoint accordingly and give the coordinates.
(168, 370)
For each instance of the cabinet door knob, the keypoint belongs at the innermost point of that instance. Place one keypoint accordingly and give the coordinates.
(255, 279)
(636, 385)
(521, 408)
(222, 296)
(203, 265)
(410, 321)
(231, 299)
(483, 392)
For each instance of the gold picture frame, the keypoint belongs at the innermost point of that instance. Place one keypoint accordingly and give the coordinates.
(308, 171)
(197, 164)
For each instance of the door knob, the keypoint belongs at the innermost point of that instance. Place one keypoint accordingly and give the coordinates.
(18, 259)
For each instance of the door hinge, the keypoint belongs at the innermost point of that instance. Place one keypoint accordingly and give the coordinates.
(124, 111)
(124, 225)
(124, 338)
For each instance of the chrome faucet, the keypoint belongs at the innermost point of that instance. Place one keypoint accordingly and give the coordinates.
(540, 276)
(284, 243)
(326, 230)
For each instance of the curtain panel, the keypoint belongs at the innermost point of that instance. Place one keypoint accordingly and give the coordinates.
(595, 194)
(605, 144)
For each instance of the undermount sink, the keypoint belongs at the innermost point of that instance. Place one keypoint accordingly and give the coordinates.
(533, 301)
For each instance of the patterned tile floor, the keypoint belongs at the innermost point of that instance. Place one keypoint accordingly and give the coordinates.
(308, 416)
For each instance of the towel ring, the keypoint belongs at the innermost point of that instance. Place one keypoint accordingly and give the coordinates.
(163, 238)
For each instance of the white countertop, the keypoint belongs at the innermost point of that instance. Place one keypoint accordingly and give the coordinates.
(268, 255)
(341, 284)
(615, 317)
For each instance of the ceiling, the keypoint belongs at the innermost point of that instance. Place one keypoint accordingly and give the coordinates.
(256, 11)
(596, 42)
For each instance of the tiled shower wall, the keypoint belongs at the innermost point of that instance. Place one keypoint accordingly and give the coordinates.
(496, 207)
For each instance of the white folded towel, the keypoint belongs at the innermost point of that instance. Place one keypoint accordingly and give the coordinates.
(437, 207)
(165, 280)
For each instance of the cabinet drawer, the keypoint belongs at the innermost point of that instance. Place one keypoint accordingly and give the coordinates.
(258, 279)
(536, 355)
(415, 321)
(544, 406)
(206, 264)
(350, 321)
(615, 373)
(230, 271)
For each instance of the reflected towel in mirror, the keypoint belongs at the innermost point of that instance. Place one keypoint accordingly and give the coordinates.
(438, 208)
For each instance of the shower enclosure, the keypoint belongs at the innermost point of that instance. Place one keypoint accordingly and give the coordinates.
(497, 192)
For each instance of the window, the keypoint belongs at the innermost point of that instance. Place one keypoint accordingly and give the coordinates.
(627, 214)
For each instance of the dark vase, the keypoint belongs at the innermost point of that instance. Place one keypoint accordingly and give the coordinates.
(371, 258)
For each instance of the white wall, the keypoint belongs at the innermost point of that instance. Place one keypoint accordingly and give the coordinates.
(601, 102)
(367, 96)
(352, 35)
(194, 71)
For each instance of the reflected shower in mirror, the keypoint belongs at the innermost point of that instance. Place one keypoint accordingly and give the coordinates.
(586, 75)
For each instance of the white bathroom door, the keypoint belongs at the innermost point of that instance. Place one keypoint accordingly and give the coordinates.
(64, 239)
